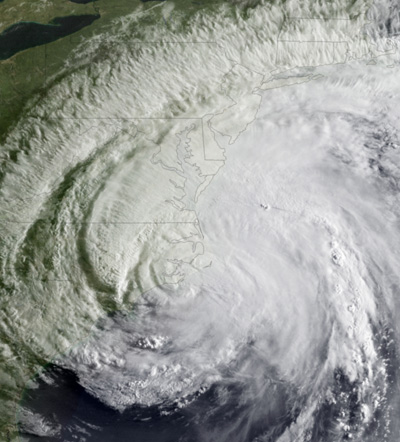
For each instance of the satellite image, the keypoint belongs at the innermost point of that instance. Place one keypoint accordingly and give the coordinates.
(199, 220)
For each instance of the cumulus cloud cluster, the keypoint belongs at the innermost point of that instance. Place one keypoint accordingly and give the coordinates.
(234, 189)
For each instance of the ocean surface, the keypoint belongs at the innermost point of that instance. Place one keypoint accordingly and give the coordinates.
(201, 232)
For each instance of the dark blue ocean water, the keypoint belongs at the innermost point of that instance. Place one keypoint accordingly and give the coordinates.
(208, 417)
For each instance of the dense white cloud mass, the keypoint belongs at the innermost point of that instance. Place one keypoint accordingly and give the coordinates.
(234, 190)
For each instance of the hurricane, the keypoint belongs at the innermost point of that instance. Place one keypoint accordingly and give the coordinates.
(200, 231)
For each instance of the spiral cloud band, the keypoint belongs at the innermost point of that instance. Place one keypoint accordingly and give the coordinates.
(200, 231)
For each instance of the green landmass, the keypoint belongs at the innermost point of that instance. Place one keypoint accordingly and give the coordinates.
(29, 73)
(26, 77)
